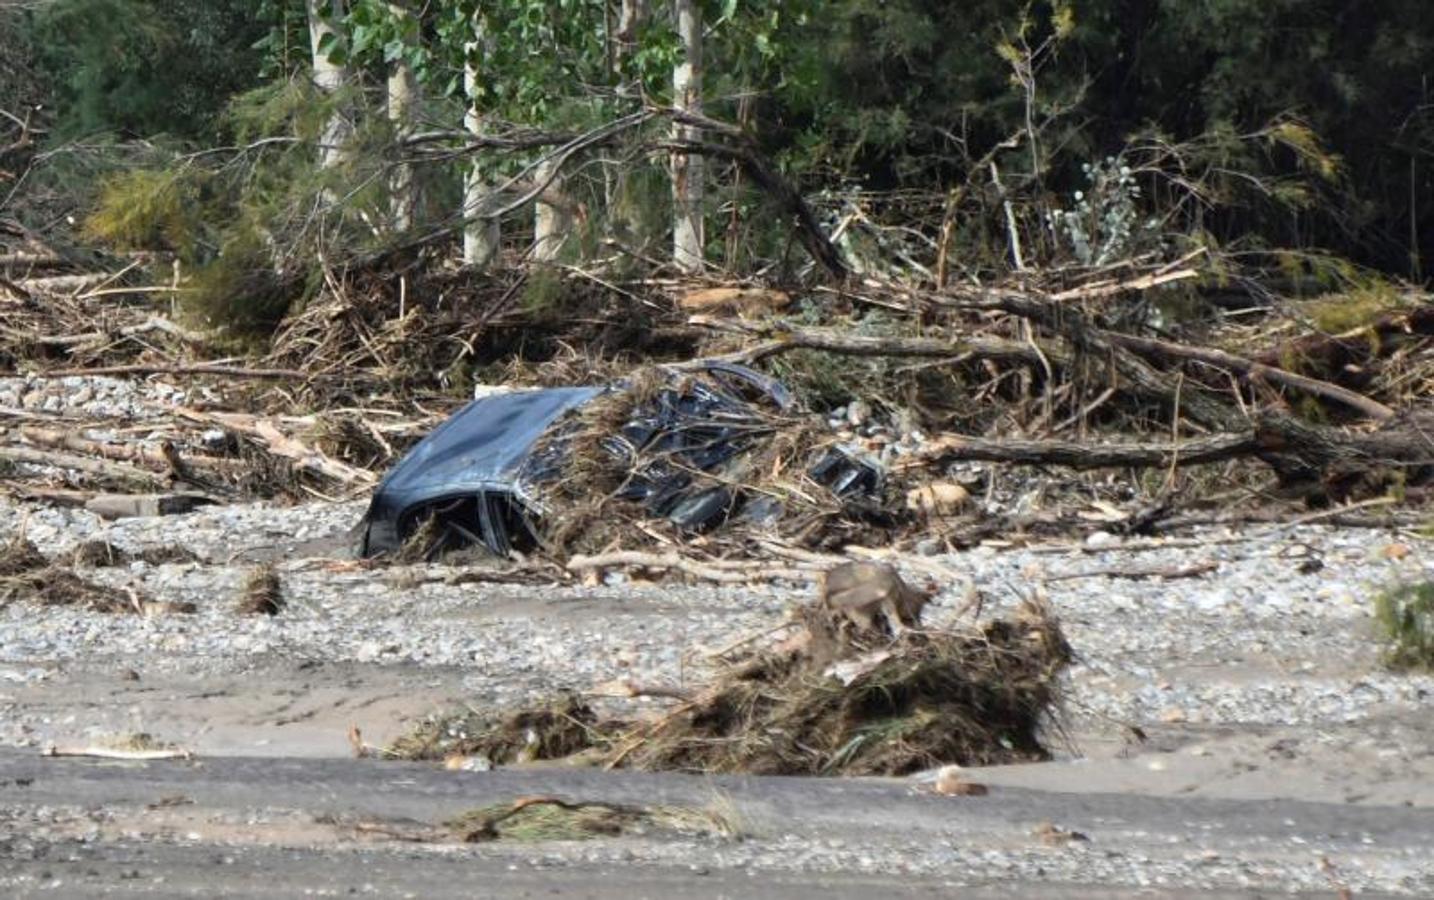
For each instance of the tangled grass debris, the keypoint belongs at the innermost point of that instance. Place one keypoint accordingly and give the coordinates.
(27, 575)
(976, 696)
(262, 593)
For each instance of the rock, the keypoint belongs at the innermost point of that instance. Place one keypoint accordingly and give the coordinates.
(949, 783)
(122, 506)
(745, 303)
(1101, 539)
(940, 498)
(368, 651)
(857, 412)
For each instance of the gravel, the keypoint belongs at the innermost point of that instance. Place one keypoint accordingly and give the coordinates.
(1285, 648)
(1277, 637)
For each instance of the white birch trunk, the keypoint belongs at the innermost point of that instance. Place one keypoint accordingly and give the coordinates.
(687, 232)
(633, 13)
(402, 111)
(328, 78)
(481, 235)
(552, 214)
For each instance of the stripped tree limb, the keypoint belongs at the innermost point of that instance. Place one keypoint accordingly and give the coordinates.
(1199, 406)
(833, 341)
(194, 369)
(695, 568)
(946, 448)
(1157, 348)
(132, 453)
(98, 467)
(1326, 463)
(120, 753)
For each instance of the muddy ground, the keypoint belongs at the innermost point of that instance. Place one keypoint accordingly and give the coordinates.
(1279, 756)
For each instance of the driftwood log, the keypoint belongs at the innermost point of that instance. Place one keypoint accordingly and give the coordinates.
(1319, 462)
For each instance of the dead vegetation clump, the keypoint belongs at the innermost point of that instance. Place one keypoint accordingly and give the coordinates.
(929, 698)
(347, 438)
(26, 574)
(100, 554)
(262, 594)
(820, 704)
(561, 729)
(19, 556)
(52, 586)
(533, 819)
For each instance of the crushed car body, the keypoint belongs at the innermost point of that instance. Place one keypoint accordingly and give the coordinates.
(675, 444)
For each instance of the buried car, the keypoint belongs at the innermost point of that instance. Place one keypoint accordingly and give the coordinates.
(686, 444)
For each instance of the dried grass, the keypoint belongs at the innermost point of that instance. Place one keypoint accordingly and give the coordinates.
(536, 819)
(20, 555)
(60, 587)
(101, 554)
(262, 594)
(930, 698)
(564, 727)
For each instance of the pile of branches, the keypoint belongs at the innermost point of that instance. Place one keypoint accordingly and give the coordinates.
(410, 327)
(61, 310)
(844, 706)
(192, 456)
(1335, 417)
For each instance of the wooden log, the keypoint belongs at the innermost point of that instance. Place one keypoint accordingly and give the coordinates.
(1219, 358)
(833, 341)
(131, 453)
(1331, 464)
(947, 448)
(1326, 464)
(129, 506)
(100, 468)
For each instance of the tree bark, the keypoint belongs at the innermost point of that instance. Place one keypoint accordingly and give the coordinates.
(329, 77)
(403, 96)
(1153, 347)
(481, 234)
(1138, 376)
(948, 448)
(687, 170)
(630, 19)
(552, 214)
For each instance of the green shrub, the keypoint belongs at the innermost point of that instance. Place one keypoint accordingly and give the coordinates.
(1405, 614)
(147, 209)
(239, 292)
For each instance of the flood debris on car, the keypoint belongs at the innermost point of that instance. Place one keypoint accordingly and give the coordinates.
(685, 449)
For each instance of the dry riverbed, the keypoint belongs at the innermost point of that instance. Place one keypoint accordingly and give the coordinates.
(1274, 739)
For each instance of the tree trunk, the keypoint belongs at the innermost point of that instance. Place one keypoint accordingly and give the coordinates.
(480, 232)
(552, 214)
(329, 77)
(687, 232)
(630, 19)
(404, 192)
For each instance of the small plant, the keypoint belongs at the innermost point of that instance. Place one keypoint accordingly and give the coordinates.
(1405, 614)
(1102, 225)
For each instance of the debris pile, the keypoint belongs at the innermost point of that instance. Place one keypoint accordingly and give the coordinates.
(843, 696)
(567, 469)
(27, 575)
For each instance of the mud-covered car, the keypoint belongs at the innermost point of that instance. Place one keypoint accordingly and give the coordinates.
(491, 474)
